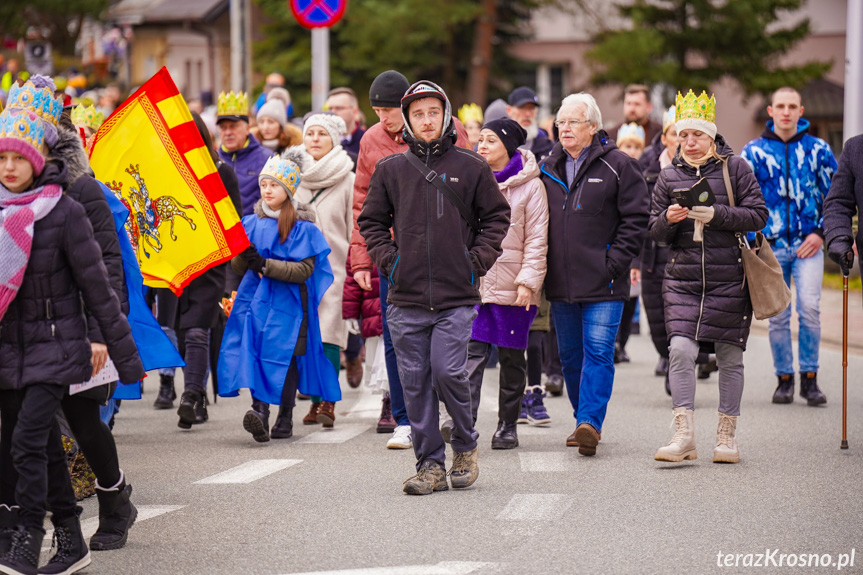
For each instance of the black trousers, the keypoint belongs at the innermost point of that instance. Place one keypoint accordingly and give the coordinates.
(534, 357)
(550, 353)
(355, 345)
(37, 454)
(513, 372)
(623, 332)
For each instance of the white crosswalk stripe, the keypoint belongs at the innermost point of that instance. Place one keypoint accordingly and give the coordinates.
(544, 461)
(249, 471)
(338, 434)
(442, 568)
(89, 526)
(537, 506)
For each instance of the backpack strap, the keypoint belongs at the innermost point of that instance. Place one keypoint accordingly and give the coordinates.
(431, 177)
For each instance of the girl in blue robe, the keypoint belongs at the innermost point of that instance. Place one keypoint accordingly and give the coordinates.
(272, 343)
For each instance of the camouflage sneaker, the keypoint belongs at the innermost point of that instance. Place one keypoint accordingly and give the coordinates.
(430, 477)
(464, 470)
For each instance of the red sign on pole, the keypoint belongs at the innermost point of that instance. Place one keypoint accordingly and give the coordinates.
(318, 13)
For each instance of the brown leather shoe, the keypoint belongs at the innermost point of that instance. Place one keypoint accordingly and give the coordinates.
(571, 441)
(354, 370)
(311, 417)
(587, 438)
(327, 413)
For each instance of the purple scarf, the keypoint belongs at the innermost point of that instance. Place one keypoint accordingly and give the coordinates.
(514, 166)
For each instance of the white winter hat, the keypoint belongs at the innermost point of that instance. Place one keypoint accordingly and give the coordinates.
(333, 124)
(276, 110)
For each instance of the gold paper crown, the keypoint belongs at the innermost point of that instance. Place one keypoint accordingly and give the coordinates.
(690, 107)
(232, 104)
(89, 117)
(470, 113)
(285, 172)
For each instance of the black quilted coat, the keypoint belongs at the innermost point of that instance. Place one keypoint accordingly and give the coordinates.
(705, 298)
(43, 334)
(654, 257)
(82, 187)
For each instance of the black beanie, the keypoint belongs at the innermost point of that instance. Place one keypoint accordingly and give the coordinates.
(510, 133)
(387, 90)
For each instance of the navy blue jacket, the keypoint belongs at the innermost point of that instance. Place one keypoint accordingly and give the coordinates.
(247, 163)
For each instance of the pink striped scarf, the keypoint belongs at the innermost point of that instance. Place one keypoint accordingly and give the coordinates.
(18, 212)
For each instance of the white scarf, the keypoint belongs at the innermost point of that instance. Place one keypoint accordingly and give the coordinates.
(328, 171)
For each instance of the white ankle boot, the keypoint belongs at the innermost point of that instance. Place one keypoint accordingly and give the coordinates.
(726, 440)
(682, 444)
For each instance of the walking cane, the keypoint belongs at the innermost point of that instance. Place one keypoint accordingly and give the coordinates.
(844, 444)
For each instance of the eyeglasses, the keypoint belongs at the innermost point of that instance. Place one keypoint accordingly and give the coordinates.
(573, 123)
(432, 115)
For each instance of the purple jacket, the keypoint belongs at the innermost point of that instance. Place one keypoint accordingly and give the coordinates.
(247, 163)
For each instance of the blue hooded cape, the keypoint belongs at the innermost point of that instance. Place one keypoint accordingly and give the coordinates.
(264, 324)
(154, 347)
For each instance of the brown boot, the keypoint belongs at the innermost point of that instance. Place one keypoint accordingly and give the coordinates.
(354, 369)
(311, 417)
(327, 413)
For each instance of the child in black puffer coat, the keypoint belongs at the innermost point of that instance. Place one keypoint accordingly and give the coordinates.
(49, 262)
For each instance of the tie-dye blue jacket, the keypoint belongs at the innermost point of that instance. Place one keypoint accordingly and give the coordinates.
(804, 165)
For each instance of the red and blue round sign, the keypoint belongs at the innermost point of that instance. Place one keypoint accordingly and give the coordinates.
(318, 13)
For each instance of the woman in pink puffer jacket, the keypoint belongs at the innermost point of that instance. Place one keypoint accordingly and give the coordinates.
(511, 289)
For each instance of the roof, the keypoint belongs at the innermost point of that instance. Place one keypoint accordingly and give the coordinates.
(822, 100)
(152, 11)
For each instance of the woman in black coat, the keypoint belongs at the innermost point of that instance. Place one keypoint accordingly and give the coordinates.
(706, 302)
(193, 315)
(44, 344)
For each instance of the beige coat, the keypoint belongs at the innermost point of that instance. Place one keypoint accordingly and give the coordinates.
(334, 217)
(523, 261)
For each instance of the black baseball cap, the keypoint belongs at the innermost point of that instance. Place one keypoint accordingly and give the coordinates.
(521, 96)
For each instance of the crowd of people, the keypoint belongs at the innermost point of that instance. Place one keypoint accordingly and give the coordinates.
(430, 245)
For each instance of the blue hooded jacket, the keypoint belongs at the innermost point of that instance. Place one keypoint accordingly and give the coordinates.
(247, 163)
(804, 165)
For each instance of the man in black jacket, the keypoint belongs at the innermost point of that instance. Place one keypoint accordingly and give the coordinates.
(433, 262)
(840, 205)
(598, 212)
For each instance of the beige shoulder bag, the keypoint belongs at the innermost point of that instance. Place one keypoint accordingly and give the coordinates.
(768, 291)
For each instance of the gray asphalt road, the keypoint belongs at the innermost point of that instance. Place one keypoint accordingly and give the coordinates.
(332, 501)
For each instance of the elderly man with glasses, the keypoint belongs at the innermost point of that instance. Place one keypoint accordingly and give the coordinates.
(598, 212)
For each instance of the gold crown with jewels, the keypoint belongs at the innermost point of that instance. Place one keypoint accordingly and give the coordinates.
(692, 107)
(89, 117)
(233, 104)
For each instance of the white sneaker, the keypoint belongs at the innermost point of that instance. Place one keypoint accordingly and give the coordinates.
(401, 438)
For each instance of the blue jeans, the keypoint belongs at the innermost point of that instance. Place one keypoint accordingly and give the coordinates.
(585, 338)
(807, 274)
(397, 396)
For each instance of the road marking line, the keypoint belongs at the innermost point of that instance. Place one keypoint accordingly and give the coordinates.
(338, 434)
(249, 471)
(442, 568)
(89, 526)
(543, 461)
(536, 506)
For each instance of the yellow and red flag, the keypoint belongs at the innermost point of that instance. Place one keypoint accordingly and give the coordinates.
(150, 154)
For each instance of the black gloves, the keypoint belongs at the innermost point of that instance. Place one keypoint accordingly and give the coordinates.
(841, 251)
(253, 259)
